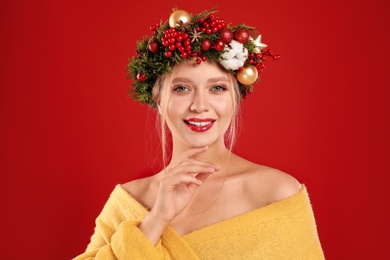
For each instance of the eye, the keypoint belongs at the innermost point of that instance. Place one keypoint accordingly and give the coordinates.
(218, 89)
(180, 89)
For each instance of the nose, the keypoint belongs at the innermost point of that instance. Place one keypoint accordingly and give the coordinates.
(199, 102)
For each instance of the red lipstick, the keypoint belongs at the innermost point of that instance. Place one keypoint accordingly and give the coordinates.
(199, 124)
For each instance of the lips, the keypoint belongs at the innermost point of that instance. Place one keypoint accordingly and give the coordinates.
(199, 124)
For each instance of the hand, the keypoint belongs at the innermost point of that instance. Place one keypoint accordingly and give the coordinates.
(179, 183)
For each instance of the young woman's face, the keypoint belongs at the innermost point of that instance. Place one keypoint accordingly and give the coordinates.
(199, 105)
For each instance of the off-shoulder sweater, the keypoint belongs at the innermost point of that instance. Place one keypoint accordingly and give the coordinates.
(282, 230)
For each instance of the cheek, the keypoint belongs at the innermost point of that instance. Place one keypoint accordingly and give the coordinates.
(176, 107)
(224, 106)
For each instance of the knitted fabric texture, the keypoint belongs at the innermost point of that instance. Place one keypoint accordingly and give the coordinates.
(281, 230)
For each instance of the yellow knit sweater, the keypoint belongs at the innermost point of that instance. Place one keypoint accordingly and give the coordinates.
(282, 230)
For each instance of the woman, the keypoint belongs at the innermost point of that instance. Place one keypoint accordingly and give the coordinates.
(207, 202)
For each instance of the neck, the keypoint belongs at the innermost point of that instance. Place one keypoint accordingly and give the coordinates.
(216, 153)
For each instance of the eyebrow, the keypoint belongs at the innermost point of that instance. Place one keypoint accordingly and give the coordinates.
(189, 80)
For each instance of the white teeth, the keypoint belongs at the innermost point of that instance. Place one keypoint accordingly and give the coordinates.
(199, 123)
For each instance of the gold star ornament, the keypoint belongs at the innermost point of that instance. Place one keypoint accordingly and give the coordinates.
(259, 45)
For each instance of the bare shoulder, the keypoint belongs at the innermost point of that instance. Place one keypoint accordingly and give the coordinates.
(280, 185)
(143, 190)
(268, 184)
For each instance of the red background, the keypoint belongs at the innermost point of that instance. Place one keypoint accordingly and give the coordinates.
(69, 133)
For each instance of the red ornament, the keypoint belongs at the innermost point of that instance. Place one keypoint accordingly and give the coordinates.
(141, 77)
(153, 47)
(242, 35)
(226, 35)
(219, 45)
(206, 44)
(168, 54)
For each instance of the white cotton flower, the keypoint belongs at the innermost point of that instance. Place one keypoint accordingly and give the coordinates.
(234, 56)
(236, 46)
(228, 54)
(232, 64)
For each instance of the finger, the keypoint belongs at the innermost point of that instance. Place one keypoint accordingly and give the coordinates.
(183, 179)
(202, 176)
(191, 170)
(192, 162)
(188, 179)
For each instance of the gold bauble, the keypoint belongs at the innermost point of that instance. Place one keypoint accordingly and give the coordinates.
(177, 16)
(247, 75)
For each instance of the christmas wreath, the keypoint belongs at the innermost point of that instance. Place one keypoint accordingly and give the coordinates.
(202, 37)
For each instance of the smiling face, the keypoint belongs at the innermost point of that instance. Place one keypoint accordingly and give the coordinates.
(198, 104)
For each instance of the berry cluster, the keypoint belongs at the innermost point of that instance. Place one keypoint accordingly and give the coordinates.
(174, 39)
(210, 24)
(257, 59)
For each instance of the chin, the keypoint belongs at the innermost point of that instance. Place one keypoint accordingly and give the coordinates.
(200, 142)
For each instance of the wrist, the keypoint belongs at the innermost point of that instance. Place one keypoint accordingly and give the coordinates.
(153, 227)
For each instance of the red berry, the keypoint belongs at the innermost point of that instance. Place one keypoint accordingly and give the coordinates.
(187, 42)
(178, 45)
(206, 44)
(168, 54)
(226, 35)
(198, 61)
(241, 35)
(184, 55)
(179, 38)
(204, 58)
(153, 47)
(219, 45)
(141, 77)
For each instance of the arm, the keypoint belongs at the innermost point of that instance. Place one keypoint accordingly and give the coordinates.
(126, 242)
(117, 236)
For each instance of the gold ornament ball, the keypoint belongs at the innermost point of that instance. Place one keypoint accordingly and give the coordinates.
(247, 75)
(178, 15)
